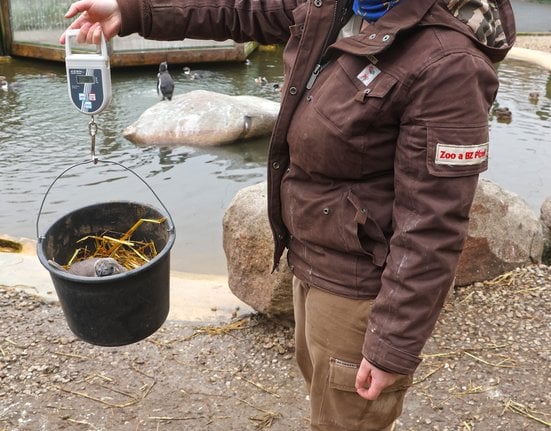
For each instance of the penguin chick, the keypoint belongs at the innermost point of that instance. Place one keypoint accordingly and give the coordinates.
(92, 267)
(165, 83)
(108, 266)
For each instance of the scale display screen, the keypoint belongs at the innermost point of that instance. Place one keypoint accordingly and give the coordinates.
(86, 79)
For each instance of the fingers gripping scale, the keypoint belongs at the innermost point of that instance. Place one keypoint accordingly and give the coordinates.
(88, 77)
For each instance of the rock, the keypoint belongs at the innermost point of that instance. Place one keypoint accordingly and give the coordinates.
(204, 118)
(545, 213)
(545, 216)
(248, 246)
(504, 234)
(541, 58)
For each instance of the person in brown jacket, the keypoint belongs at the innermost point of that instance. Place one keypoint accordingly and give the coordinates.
(372, 168)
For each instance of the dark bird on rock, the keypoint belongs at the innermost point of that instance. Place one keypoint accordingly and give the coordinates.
(165, 83)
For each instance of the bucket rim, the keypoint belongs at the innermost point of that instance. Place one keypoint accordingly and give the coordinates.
(109, 278)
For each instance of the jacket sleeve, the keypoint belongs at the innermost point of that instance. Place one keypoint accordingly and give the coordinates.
(264, 21)
(442, 146)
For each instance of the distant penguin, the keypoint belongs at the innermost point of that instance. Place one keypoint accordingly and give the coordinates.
(4, 83)
(165, 83)
(191, 75)
(260, 80)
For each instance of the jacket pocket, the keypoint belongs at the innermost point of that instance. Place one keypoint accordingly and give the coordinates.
(369, 235)
(457, 151)
(345, 102)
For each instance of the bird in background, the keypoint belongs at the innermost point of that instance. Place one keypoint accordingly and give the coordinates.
(260, 80)
(191, 75)
(4, 83)
(165, 83)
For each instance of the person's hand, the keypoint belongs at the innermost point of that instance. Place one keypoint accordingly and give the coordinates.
(96, 16)
(370, 380)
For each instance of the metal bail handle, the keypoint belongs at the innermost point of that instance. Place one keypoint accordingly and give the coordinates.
(95, 161)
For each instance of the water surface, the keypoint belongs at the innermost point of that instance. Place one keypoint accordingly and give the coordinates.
(41, 135)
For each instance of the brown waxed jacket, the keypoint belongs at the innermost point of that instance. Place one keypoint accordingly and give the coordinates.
(375, 155)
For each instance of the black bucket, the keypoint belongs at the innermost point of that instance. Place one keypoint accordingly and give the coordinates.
(118, 309)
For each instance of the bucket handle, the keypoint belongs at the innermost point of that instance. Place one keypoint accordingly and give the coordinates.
(95, 160)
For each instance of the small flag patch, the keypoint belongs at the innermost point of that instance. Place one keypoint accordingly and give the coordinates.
(368, 74)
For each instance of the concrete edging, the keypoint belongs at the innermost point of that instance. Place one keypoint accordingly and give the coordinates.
(541, 58)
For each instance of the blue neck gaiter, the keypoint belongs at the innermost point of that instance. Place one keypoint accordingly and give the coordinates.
(372, 10)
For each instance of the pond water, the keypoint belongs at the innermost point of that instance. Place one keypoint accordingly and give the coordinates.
(41, 135)
(532, 15)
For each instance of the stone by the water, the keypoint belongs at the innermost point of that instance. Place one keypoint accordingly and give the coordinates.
(204, 118)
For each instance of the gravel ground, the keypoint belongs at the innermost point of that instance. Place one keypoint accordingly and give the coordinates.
(486, 367)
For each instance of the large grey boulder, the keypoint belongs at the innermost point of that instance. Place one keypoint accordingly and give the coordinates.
(248, 246)
(204, 118)
(504, 233)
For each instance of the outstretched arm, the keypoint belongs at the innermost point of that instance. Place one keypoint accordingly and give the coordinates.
(264, 21)
(96, 16)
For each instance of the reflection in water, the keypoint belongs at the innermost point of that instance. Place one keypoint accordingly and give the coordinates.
(42, 134)
(520, 148)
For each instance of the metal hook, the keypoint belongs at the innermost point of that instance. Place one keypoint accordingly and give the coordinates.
(93, 130)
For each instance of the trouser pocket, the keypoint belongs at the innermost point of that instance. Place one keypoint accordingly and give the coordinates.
(342, 407)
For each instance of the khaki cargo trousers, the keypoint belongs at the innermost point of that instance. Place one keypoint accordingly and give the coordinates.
(329, 335)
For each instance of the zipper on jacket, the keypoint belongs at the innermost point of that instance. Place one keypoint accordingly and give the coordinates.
(317, 69)
(333, 32)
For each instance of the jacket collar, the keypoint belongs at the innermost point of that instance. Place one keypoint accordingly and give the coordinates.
(411, 13)
(382, 33)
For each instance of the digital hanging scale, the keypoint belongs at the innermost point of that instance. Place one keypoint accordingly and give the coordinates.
(88, 76)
